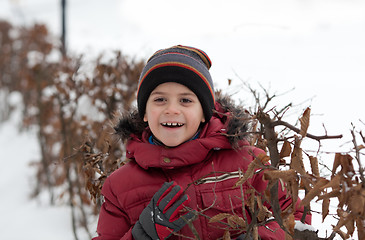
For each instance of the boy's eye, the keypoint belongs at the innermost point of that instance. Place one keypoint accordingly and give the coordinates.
(185, 100)
(159, 99)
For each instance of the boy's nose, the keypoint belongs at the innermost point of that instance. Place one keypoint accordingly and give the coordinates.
(172, 108)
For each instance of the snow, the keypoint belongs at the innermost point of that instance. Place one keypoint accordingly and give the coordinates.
(302, 226)
(21, 216)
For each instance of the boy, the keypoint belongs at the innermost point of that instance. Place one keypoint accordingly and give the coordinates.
(186, 150)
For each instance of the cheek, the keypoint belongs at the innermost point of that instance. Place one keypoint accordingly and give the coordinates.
(201, 115)
(197, 121)
(151, 116)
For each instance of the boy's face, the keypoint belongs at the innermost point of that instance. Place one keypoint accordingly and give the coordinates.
(173, 113)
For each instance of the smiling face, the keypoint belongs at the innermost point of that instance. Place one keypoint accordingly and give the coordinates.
(173, 113)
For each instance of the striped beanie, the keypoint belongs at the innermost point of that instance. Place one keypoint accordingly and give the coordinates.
(181, 64)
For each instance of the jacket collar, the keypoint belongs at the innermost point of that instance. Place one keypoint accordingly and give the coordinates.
(147, 155)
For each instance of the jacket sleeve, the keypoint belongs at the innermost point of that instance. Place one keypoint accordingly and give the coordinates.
(113, 223)
(272, 229)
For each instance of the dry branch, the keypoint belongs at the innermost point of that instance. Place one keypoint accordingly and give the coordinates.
(297, 130)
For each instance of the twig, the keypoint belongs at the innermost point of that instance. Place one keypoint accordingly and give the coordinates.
(253, 222)
(357, 151)
(297, 130)
(362, 136)
(243, 203)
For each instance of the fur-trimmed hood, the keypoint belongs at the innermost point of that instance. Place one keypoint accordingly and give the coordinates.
(236, 119)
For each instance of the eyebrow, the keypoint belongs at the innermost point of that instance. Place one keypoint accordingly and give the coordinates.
(182, 94)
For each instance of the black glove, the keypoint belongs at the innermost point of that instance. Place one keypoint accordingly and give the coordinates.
(162, 215)
(243, 237)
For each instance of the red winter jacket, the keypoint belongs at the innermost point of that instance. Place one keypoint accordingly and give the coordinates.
(207, 167)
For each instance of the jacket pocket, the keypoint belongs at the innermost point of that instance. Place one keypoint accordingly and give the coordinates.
(222, 200)
(219, 201)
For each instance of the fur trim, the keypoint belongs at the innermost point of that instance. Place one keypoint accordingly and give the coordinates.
(236, 118)
(129, 124)
(238, 122)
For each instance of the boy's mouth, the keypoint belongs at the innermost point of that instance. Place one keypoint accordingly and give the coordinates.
(172, 125)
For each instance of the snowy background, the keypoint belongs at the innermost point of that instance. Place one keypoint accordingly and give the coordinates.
(315, 47)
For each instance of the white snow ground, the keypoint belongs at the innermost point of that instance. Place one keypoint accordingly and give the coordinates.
(20, 216)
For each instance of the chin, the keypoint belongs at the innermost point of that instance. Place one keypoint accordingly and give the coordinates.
(172, 143)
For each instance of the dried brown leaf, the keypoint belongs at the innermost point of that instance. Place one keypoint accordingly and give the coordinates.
(360, 228)
(360, 147)
(315, 191)
(342, 234)
(325, 208)
(334, 193)
(235, 221)
(297, 158)
(288, 236)
(285, 150)
(219, 217)
(334, 183)
(285, 175)
(229, 81)
(251, 198)
(336, 163)
(264, 212)
(345, 217)
(345, 161)
(289, 223)
(314, 165)
(261, 143)
(231, 223)
(350, 226)
(249, 172)
(263, 158)
(357, 202)
(226, 235)
(304, 122)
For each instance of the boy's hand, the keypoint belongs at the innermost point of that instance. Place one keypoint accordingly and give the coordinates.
(161, 217)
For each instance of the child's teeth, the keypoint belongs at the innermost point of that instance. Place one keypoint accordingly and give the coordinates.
(172, 124)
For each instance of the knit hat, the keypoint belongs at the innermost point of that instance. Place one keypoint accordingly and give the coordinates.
(181, 64)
